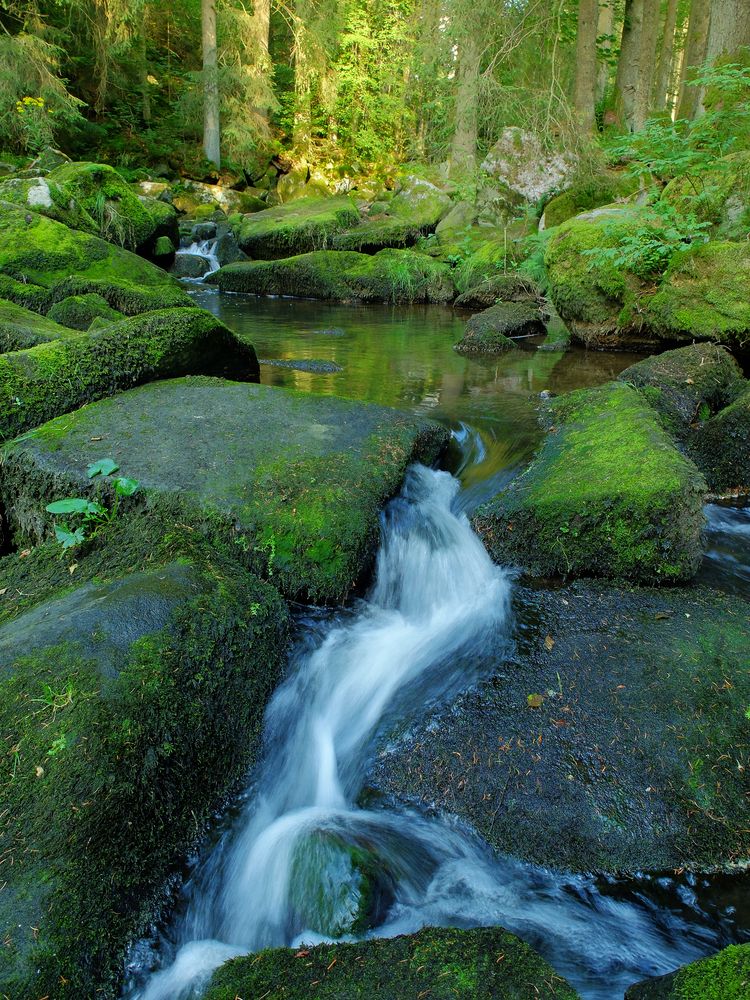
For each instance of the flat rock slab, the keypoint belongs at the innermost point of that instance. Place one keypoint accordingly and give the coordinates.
(616, 739)
(297, 481)
(442, 964)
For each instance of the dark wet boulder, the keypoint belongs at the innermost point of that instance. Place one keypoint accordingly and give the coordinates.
(297, 227)
(58, 376)
(79, 311)
(490, 331)
(631, 754)
(20, 327)
(608, 494)
(440, 963)
(227, 249)
(501, 288)
(190, 265)
(310, 365)
(720, 446)
(133, 679)
(295, 482)
(725, 976)
(203, 231)
(387, 276)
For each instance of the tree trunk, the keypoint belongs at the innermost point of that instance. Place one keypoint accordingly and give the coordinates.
(584, 98)
(604, 28)
(730, 27)
(628, 63)
(695, 54)
(666, 57)
(211, 140)
(466, 128)
(143, 72)
(646, 59)
(262, 18)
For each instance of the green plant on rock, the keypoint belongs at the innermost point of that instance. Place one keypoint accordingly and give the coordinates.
(90, 515)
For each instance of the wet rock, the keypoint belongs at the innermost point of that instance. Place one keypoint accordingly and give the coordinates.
(304, 225)
(725, 976)
(608, 494)
(133, 692)
(443, 963)
(190, 265)
(636, 755)
(490, 331)
(305, 365)
(720, 446)
(203, 231)
(295, 482)
(227, 250)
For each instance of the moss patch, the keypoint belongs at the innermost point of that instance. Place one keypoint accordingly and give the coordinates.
(501, 287)
(20, 327)
(399, 222)
(720, 196)
(298, 227)
(608, 494)
(720, 446)
(442, 964)
(593, 192)
(490, 331)
(40, 194)
(79, 311)
(725, 976)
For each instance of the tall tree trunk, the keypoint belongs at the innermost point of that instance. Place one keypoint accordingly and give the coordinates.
(211, 138)
(466, 127)
(695, 54)
(585, 87)
(604, 28)
(143, 73)
(262, 19)
(666, 57)
(628, 63)
(646, 58)
(302, 126)
(730, 27)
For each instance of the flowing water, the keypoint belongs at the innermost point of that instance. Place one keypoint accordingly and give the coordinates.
(288, 864)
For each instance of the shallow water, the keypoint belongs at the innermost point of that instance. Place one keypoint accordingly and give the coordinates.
(436, 619)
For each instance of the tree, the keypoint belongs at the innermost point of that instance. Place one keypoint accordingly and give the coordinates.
(466, 127)
(635, 65)
(584, 98)
(695, 54)
(211, 132)
(666, 56)
(604, 37)
(729, 27)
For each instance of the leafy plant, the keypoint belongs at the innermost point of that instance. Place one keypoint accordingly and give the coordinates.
(90, 515)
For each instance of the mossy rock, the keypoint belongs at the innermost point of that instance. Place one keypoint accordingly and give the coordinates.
(720, 446)
(79, 311)
(295, 481)
(42, 262)
(120, 216)
(190, 265)
(387, 276)
(687, 385)
(607, 495)
(486, 262)
(412, 213)
(704, 295)
(725, 976)
(298, 227)
(720, 196)
(58, 376)
(131, 699)
(484, 964)
(490, 331)
(593, 192)
(39, 194)
(21, 328)
(501, 287)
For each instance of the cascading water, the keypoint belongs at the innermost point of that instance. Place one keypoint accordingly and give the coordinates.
(290, 869)
(206, 249)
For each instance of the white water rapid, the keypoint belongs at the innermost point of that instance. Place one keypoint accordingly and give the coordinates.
(437, 615)
(203, 248)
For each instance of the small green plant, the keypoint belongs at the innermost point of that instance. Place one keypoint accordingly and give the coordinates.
(34, 123)
(90, 516)
(58, 745)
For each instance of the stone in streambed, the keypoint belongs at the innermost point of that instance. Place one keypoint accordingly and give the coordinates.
(440, 962)
(500, 288)
(724, 976)
(490, 331)
(296, 482)
(301, 226)
(79, 311)
(190, 265)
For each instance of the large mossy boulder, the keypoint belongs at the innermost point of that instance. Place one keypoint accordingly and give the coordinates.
(725, 976)
(413, 212)
(299, 227)
(490, 331)
(608, 495)
(587, 193)
(387, 276)
(511, 287)
(20, 327)
(119, 215)
(720, 196)
(58, 376)
(484, 964)
(133, 678)
(80, 311)
(296, 482)
(43, 262)
(39, 194)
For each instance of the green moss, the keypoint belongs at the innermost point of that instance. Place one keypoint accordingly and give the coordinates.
(40, 194)
(608, 494)
(388, 276)
(442, 964)
(720, 446)
(20, 327)
(511, 287)
(300, 226)
(61, 375)
(78, 311)
(720, 196)
(485, 263)
(402, 221)
(601, 189)
(725, 976)
(490, 331)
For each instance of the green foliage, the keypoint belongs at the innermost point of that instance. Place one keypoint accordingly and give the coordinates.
(92, 515)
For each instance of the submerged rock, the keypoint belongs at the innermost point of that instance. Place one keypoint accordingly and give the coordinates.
(295, 482)
(633, 754)
(608, 494)
(388, 276)
(725, 976)
(301, 226)
(439, 963)
(133, 693)
(489, 332)
(304, 365)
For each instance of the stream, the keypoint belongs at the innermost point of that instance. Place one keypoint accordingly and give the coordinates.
(287, 864)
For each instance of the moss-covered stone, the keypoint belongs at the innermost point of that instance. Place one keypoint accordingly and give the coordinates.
(512, 287)
(298, 227)
(132, 689)
(295, 481)
(720, 196)
(483, 964)
(720, 446)
(608, 494)
(40, 194)
(725, 976)
(491, 330)
(486, 262)
(705, 294)
(78, 311)
(585, 194)
(42, 262)
(55, 377)
(388, 276)
(21, 328)
(414, 212)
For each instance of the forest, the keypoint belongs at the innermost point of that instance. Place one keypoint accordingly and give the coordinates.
(375, 499)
